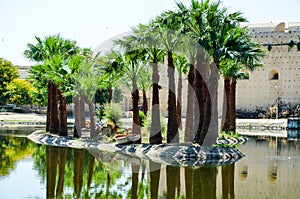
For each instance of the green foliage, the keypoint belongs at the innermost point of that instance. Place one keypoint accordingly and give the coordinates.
(181, 64)
(12, 150)
(20, 92)
(229, 135)
(117, 95)
(58, 60)
(144, 81)
(142, 118)
(113, 113)
(8, 74)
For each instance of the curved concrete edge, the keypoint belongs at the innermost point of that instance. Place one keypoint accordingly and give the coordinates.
(183, 154)
(168, 154)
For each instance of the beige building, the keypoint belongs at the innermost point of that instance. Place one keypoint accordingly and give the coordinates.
(280, 74)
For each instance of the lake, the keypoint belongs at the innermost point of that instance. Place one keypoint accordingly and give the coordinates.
(270, 169)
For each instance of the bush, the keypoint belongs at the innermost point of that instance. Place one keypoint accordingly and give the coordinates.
(142, 118)
(113, 113)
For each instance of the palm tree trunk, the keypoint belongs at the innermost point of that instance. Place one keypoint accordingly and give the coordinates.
(136, 128)
(155, 131)
(49, 108)
(110, 96)
(179, 99)
(63, 129)
(199, 90)
(77, 126)
(232, 98)
(54, 127)
(172, 130)
(145, 103)
(226, 106)
(189, 123)
(82, 110)
(93, 132)
(212, 126)
(207, 114)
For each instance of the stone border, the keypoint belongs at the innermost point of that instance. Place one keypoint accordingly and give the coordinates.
(168, 154)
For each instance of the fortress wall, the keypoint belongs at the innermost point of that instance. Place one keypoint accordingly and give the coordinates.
(260, 90)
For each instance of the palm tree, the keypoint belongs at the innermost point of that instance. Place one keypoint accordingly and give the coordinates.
(196, 26)
(181, 65)
(44, 51)
(169, 28)
(219, 34)
(144, 84)
(246, 55)
(148, 39)
(88, 82)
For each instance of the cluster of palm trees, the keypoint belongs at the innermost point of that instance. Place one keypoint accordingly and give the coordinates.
(202, 39)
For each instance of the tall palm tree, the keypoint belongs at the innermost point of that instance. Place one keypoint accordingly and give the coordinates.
(196, 26)
(245, 54)
(170, 26)
(45, 50)
(148, 39)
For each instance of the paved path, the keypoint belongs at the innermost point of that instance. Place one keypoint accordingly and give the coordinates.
(4, 116)
(10, 116)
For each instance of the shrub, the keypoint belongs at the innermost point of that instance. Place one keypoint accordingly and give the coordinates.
(113, 113)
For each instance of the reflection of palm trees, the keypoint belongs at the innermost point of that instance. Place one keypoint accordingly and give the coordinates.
(188, 172)
(78, 170)
(135, 180)
(173, 181)
(91, 171)
(204, 185)
(51, 165)
(62, 158)
(154, 179)
(228, 181)
(55, 158)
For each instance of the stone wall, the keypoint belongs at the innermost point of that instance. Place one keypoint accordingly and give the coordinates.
(280, 74)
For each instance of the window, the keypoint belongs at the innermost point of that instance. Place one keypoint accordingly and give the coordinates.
(273, 75)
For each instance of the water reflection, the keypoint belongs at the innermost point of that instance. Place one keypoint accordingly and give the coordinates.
(269, 170)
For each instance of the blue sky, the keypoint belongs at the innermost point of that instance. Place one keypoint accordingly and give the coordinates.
(91, 22)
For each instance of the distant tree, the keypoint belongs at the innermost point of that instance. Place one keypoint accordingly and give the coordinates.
(8, 74)
(88, 79)
(182, 66)
(144, 84)
(20, 92)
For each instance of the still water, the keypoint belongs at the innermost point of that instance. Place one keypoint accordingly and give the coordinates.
(270, 169)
